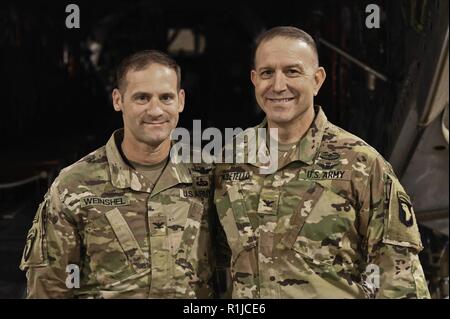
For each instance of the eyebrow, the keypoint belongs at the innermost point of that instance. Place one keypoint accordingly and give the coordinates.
(296, 65)
(135, 94)
(168, 93)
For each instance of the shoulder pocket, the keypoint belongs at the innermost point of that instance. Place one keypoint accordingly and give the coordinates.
(400, 225)
(35, 251)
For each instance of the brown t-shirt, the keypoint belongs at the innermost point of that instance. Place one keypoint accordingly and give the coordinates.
(151, 172)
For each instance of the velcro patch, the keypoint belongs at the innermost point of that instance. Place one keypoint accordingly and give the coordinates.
(400, 225)
(158, 225)
(236, 176)
(406, 212)
(31, 237)
(187, 192)
(104, 201)
(35, 252)
(315, 174)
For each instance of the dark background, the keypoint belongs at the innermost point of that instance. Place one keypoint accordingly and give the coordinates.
(55, 102)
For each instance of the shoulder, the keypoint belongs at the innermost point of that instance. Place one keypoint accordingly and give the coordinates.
(89, 169)
(353, 151)
(239, 146)
(242, 137)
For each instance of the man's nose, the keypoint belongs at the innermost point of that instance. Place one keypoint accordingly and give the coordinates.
(279, 84)
(154, 108)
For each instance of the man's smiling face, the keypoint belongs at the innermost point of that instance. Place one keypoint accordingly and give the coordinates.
(150, 104)
(286, 79)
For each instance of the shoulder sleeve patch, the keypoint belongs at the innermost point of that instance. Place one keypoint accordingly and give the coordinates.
(35, 252)
(400, 225)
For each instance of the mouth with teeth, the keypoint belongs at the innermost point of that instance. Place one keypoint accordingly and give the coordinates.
(284, 100)
(150, 122)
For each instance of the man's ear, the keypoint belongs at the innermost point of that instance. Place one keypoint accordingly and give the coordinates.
(253, 77)
(117, 100)
(181, 100)
(319, 78)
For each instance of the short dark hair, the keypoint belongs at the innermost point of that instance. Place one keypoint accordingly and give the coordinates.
(142, 59)
(285, 32)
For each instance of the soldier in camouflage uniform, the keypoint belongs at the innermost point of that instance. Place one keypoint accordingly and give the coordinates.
(132, 232)
(332, 221)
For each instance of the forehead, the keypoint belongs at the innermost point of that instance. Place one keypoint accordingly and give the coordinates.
(155, 77)
(281, 51)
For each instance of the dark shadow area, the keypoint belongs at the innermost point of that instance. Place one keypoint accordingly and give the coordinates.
(56, 82)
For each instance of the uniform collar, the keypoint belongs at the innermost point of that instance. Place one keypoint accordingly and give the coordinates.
(309, 145)
(124, 176)
(305, 150)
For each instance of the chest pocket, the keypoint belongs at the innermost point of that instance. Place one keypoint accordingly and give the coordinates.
(238, 228)
(113, 251)
(321, 226)
(242, 241)
(174, 270)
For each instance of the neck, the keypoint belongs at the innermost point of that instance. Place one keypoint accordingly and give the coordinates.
(143, 153)
(293, 131)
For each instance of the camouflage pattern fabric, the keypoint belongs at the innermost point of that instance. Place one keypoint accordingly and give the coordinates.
(331, 218)
(129, 238)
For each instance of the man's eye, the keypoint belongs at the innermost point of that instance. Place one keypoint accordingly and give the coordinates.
(142, 98)
(293, 72)
(266, 74)
(166, 98)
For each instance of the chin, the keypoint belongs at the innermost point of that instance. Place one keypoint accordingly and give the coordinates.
(280, 118)
(154, 139)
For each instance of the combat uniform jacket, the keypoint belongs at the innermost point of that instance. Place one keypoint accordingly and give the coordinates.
(333, 221)
(128, 237)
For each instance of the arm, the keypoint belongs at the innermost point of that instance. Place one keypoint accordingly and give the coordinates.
(52, 245)
(222, 251)
(222, 257)
(391, 238)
